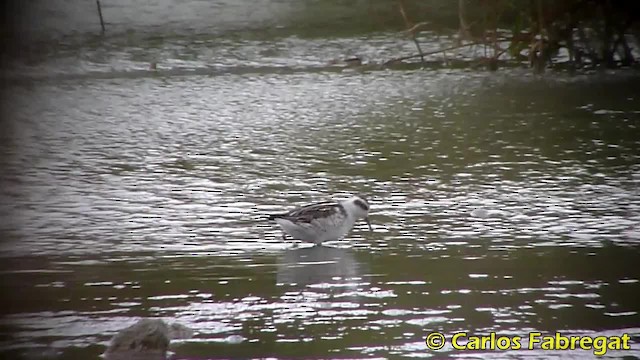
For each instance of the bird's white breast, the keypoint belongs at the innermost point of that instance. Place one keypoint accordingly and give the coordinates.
(333, 227)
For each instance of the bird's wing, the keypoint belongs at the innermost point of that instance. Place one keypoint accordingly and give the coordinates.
(308, 213)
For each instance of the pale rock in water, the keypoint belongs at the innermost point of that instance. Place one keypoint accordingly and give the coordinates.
(146, 339)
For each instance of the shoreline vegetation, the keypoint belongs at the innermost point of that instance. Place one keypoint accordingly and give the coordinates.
(539, 33)
(570, 35)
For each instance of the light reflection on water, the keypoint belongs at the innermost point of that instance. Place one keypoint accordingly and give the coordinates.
(497, 207)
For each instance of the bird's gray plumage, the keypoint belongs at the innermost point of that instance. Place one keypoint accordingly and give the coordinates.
(307, 214)
(323, 221)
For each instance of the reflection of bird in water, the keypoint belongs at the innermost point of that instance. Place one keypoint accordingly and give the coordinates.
(324, 221)
(317, 265)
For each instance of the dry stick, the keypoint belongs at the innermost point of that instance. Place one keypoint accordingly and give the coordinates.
(484, 30)
(444, 55)
(413, 33)
(415, 27)
(463, 32)
(542, 34)
(628, 56)
(422, 55)
(100, 14)
(588, 50)
(494, 36)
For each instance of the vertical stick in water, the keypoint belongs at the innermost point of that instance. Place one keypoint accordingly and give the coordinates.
(100, 14)
(412, 29)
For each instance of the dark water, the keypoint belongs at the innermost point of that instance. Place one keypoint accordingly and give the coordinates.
(501, 202)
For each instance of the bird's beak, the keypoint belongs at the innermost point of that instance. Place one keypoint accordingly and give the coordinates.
(368, 223)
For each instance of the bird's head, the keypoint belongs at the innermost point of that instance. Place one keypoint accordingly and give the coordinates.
(358, 206)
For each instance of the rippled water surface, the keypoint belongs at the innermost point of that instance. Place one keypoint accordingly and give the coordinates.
(501, 202)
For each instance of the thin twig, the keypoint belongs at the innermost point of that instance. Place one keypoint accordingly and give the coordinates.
(411, 29)
(431, 52)
(464, 32)
(415, 27)
(100, 14)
